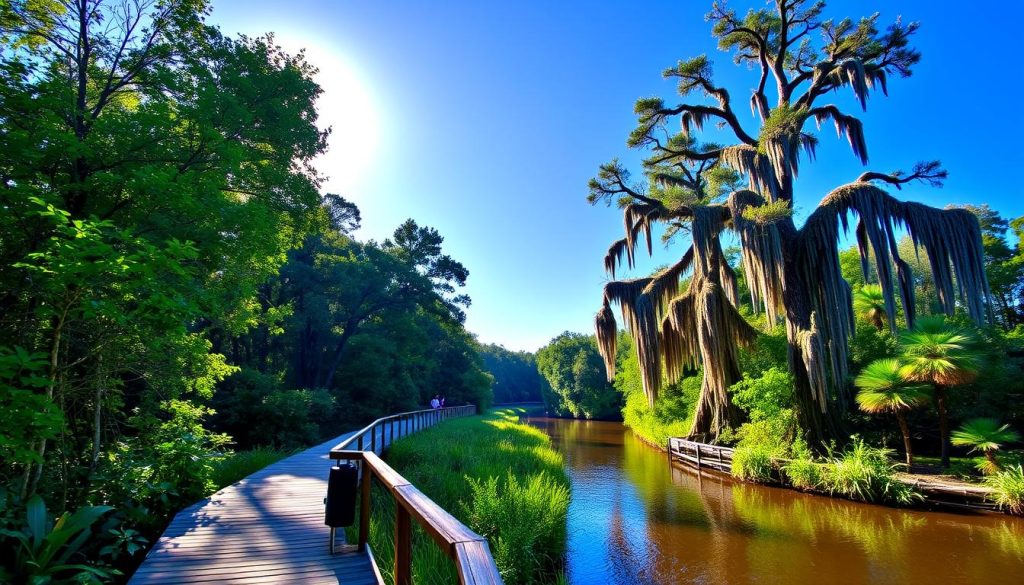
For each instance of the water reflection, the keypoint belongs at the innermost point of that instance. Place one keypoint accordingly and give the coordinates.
(635, 519)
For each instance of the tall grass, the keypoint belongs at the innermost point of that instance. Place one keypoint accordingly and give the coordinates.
(1009, 489)
(864, 473)
(240, 464)
(499, 477)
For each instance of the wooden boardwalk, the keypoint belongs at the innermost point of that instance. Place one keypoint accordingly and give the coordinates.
(267, 528)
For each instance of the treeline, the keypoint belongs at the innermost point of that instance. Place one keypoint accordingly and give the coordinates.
(516, 378)
(173, 285)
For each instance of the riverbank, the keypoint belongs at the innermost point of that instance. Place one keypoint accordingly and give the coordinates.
(498, 476)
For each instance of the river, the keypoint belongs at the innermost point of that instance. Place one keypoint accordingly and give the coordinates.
(635, 519)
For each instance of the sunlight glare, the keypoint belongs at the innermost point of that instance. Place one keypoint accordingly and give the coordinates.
(347, 107)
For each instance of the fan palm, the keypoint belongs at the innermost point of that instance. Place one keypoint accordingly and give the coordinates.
(987, 436)
(943, 355)
(884, 389)
(869, 304)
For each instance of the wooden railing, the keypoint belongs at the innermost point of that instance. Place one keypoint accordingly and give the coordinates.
(467, 549)
(701, 454)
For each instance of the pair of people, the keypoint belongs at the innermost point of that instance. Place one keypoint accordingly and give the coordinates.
(437, 401)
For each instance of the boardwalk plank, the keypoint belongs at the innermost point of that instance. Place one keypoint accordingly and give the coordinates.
(267, 528)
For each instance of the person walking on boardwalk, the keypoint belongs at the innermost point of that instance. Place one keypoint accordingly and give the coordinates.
(435, 403)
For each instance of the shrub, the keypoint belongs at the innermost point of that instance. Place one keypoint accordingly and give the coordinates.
(46, 551)
(804, 474)
(866, 474)
(1009, 489)
(755, 463)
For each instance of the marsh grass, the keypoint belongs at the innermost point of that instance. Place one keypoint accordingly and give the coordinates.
(498, 476)
(1009, 489)
(241, 464)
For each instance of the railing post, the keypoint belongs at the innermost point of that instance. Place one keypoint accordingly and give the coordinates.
(364, 507)
(373, 438)
(403, 546)
(392, 431)
(360, 442)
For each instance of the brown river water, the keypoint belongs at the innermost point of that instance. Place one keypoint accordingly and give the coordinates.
(636, 519)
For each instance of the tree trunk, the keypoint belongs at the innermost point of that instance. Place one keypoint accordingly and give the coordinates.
(29, 480)
(901, 418)
(940, 402)
(993, 465)
(819, 421)
(97, 416)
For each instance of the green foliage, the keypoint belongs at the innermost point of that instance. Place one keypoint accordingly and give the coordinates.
(803, 473)
(768, 213)
(765, 397)
(1009, 489)
(939, 352)
(884, 389)
(783, 121)
(47, 551)
(168, 465)
(254, 410)
(869, 344)
(767, 439)
(575, 374)
(672, 413)
(985, 435)
(516, 378)
(756, 462)
(501, 478)
(26, 414)
(869, 304)
(525, 521)
(866, 474)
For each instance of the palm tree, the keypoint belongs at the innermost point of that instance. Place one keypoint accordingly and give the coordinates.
(985, 435)
(943, 355)
(884, 389)
(869, 304)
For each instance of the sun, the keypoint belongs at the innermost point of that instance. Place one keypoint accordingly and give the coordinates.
(347, 107)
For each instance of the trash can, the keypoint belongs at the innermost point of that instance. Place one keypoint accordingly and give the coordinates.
(340, 503)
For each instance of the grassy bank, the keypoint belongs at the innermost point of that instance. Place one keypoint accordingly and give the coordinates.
(240, 464)
(501, 478)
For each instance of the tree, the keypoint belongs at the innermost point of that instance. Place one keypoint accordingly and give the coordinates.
(571, 365)
(884, 389)
(985, 435)
(795, 274)
(869, 304)
(155, 174)
(943, 355)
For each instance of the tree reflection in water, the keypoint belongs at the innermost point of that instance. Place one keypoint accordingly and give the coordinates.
(636, 519)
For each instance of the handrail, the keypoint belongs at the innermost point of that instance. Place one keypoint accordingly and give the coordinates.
(467, 549)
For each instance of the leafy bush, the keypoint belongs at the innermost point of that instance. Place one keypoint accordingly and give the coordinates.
(1009, 489)
(46, 551)
(168, 465)
(254, 409)
(866, 474)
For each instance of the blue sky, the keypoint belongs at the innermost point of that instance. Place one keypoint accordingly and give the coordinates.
(485, 120)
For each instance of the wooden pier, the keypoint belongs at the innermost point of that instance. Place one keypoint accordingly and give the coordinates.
(269, 527)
